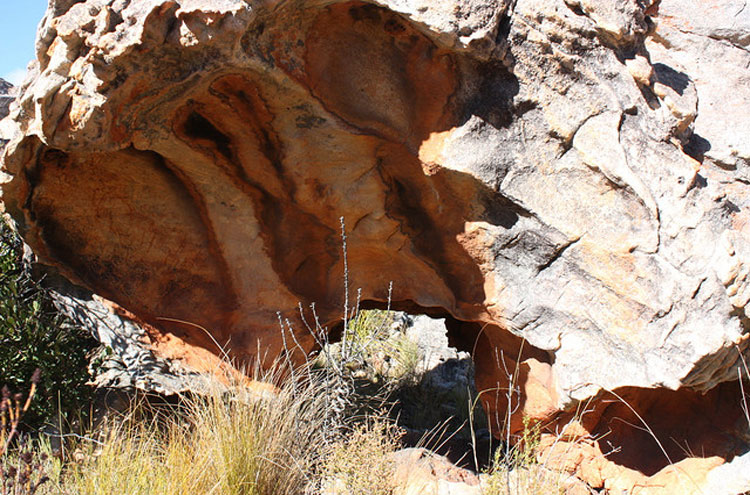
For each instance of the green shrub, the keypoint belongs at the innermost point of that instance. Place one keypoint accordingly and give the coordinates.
(33, 335)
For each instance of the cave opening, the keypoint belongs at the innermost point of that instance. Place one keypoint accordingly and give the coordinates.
(446, 407)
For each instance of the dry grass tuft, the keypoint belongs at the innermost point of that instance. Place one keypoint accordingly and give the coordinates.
(229, 442)
(362, 463)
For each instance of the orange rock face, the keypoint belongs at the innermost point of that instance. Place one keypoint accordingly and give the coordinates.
(242, 217)
(522, 168)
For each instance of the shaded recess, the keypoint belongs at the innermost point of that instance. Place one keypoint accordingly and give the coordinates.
(650, 429)
(372, 69)
(120, 249)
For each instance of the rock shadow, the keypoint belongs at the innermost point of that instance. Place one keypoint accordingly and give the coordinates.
(650, 429)
(679, 81)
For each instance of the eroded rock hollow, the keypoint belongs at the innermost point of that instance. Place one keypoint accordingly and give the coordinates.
(551, 173)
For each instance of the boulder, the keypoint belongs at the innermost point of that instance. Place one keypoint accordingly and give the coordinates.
(566, 181)
(419, 471)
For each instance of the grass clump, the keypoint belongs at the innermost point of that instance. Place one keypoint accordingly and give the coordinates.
(260, 439)
(237, 441)
(289, 431)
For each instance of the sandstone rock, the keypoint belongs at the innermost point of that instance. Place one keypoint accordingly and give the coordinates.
(7, 95)
(707, 43)
(640, 455)
(532, 480)
(584, 220)
(418, 471)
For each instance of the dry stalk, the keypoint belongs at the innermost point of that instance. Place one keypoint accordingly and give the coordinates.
(11, 412)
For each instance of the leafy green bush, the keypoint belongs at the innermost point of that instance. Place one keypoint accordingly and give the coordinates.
(34, 335)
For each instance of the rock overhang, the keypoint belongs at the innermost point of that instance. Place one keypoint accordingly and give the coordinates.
(513, 168)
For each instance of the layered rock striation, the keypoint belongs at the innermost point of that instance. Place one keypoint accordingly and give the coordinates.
(567, 180)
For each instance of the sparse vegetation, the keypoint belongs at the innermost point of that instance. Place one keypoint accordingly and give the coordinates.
(21, 471)
(318, 429)
(282, 433)
(33, 335)
(361, 463)
(391, 356)
(267, 437)
(378, 355)
(277, 434)
(515, 470)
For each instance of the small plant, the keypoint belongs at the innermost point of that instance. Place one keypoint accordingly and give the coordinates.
(375, 350)
(23, 473)
(11, 412)
(516, 470)
(362, 463)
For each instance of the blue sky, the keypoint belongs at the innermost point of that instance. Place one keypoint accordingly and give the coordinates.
(18, 22)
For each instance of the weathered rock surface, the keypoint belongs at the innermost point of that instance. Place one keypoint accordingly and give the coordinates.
(7, 95)
(573, 173)
(418, 471)
(128, 360)
(708, 43)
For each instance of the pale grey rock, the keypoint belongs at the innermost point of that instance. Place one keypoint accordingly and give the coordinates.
(465, 24)
(721, 20)
(431, 337)
(445, 379)
(127, 362)
(708, 43)
(621, 160)
(730, 478)
(6, 97)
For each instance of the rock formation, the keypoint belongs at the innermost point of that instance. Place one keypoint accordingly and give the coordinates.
(7, 95)
(567, 180)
